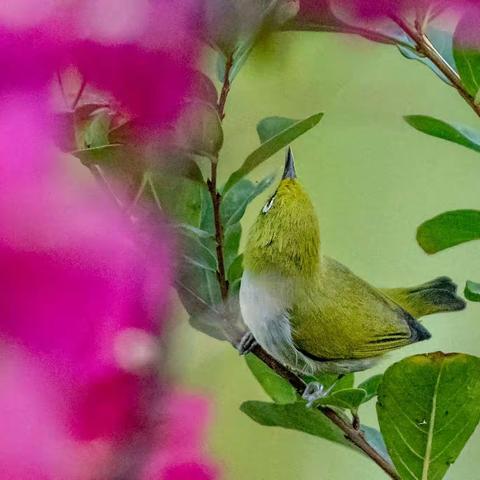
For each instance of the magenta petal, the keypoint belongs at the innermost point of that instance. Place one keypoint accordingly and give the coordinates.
(186, 418)
(107, 408)
(151, 84)
(32, 441)
(188, 471)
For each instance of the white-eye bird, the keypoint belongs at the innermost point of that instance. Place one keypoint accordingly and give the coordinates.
(309, 311)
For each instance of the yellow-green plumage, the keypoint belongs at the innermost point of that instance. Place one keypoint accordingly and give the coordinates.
(309, 310)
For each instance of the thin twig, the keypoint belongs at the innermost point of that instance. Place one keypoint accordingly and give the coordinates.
(425, 47)
(225, 87)
(213, 190)
(354, 435)
(219, 237)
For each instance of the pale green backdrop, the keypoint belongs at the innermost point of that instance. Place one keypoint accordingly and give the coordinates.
(373, 180)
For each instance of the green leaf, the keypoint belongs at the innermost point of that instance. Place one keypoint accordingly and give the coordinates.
(198, 251)
(452, 132)
(199, 293)
(467, 57)
(472, 291)
(206, 220)
(349, 398)
(428, 406)
(182, 165)
(276, 387)
(235, 271)
(197, 232)
(237, 199)
(271, 126)
(279, 140)
(120, 163)
(199, 129)
(231, 243)
(209, 324)
(329, 379)
(180, 198)
(239, 58)
(235, 286)
(449, 229)
(295, 416)
(70, 133)
(241, 26)
(96, 133)
(103, 156)
(371, 386)
(203, 89)
(223, 24)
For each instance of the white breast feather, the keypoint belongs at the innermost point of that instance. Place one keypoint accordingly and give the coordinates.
(266, 315)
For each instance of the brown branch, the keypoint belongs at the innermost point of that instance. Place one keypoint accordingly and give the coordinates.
(219, 238)
(424, 47)
(354, 435)
(215, 194)
(225, 87)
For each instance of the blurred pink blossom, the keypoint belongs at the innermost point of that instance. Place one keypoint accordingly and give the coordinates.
(385, 8)
(82, 308)
(369, 12)
(467, 34)
(84, 298)
(180, 435)
(143, 52)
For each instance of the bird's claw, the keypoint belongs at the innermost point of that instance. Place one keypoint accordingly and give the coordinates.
(314, 391)
(246, 344)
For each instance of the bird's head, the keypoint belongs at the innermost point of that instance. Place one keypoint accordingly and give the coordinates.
(285, 238)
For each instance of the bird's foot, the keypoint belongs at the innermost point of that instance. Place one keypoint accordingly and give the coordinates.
(246, 344)
(315, 391)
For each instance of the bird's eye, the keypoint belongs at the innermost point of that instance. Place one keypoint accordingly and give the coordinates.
(268, 205)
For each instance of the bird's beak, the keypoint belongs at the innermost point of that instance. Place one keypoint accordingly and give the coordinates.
(289, 171)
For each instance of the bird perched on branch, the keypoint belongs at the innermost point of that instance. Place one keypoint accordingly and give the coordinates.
(312, 313)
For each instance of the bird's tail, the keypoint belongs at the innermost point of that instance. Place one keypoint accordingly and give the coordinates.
(438, 295)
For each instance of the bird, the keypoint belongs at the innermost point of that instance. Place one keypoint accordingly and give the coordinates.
(310, 312)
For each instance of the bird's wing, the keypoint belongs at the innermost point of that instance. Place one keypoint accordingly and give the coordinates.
(345, 317)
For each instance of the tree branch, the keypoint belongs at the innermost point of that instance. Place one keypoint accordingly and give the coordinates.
(215, 194)
(426, 48)
(225, 87)
(352, 434)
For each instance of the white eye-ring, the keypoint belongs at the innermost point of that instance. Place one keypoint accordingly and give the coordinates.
(268, 205)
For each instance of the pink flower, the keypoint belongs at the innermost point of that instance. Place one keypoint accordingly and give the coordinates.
(368, 13)
(144, 55)
(85, 292)
(177, 452)
(467, 34)
(81, 306)
(369, 9)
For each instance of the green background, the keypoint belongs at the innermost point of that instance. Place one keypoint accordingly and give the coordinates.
(373, 180)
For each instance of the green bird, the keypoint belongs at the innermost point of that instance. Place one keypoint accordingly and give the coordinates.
(312, 313)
